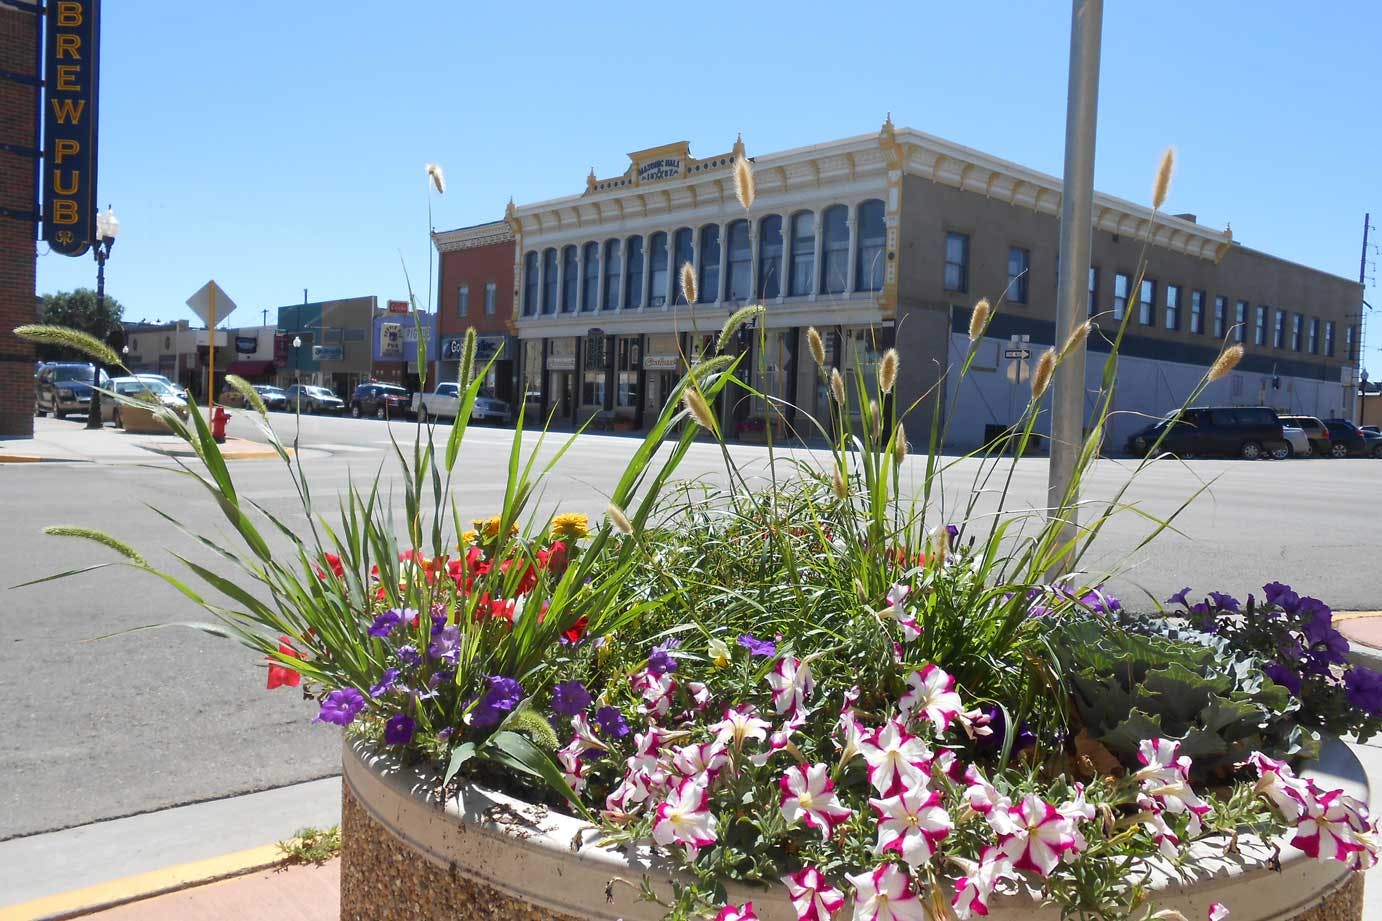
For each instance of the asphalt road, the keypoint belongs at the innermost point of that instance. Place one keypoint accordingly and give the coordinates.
(98, 729)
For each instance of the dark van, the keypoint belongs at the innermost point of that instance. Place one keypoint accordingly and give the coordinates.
(1248, 432)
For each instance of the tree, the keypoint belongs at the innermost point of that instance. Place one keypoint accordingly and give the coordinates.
(77, 309)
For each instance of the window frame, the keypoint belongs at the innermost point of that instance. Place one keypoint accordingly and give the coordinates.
(707, 288)
(870, 259)
(959, 282)
(1240, 320)
(1093, 306)
(1146, 303)
(656, 295)
(801, 262)
(634, 295)
(1172, 310)
(1197, 299)
(1022, 278)
(491, 297)
(1329, 344)
(833, 250)
(744, 263)
(590, 280)
(1297, 331)
(570, 280)
(1279, 330)
(1313, 337)
(531, 294)
(768, 283)
(612, 270)
(550, 290)
(1120, 302)
(463, 299)
(680, 256)
(1220, 316)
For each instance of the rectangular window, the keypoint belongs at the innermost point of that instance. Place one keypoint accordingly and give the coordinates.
(1220, 316)
(1093, 290)
(1329, 338)
(1197, 312)
(957, 262)
(1019, 273)
(1240, 321)
(463, 301)
(1314, 335)
(1173, 306)
(1146, 304)
(593, 389)
(1121, 284)
(1279, 331)
(1260, 330)
(491, 292)
(1297, 322)
(1348, 344)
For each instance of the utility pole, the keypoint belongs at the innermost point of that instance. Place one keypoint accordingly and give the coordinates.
(1362, 315)
(1072, 285)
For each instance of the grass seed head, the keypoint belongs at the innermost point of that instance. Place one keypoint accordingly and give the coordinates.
(1228, 360)
(837, 386)
(618, 519)
(438, 180)
(979, 319)
(250, 395)
(813, 341)
(1041, 378)
(1164, 171)
(887, 371)
(699, 409)
(688, 283)
(900, 443)
(743, 182)
(838, 484)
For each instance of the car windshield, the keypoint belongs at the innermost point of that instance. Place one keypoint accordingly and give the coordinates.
(392, 392)
(319, 392)
(72, 373)
(156, 387)
(270, 391)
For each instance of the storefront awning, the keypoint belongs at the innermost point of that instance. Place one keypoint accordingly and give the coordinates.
(251, 368)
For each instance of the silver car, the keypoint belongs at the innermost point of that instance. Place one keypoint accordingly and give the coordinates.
(1297, 443)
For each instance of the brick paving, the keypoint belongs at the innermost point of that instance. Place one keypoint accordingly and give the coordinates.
(297, 893)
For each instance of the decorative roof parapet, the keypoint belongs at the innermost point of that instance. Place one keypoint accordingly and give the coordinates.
(449, 241)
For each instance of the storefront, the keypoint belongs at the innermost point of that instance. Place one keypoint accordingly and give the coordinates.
(395, 348)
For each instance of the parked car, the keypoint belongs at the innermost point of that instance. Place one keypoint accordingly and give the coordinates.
(1249, 432)
(1372, 429)
(1297, 443)
(273, 397)
(383, 401)
(63, 387)
(1373, 448)
(111, 410)
(445, 403)
(311, 399)
(1349, 440)
(179, 390)
(1315, 430)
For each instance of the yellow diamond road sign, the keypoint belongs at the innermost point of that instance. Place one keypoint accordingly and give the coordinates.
(210, 300)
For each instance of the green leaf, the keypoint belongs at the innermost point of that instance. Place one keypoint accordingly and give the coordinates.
(459, 756)
(517, 752)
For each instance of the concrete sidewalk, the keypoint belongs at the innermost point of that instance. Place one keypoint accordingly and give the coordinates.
(70, 440)
(296, 893)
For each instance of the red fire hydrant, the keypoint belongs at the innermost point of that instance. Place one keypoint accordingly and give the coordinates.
(219, 418)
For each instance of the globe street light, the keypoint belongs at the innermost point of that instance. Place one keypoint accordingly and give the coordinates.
(107, 228)
(297, 364)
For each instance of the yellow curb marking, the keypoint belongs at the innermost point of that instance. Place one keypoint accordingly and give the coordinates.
(143, 885)
(19, 459)
(1354, 615)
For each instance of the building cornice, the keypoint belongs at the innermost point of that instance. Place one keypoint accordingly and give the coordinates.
(447, 241)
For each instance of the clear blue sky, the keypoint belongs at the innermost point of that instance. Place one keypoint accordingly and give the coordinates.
(276, 146)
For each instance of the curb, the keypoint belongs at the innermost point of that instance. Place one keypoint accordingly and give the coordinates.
(1359, 653)
(20, 459)
(250, 451)
(101, 896)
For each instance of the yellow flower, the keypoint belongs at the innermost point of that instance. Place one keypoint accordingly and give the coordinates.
(570, 526)
(719, 653)
(467, 538)
(489, 527)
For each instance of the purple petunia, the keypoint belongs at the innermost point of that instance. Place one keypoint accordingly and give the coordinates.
(660, 660)
(570, 698)
(409, 657)
(611, 722)
(1101, 602)
(384, 624)
(446, 643)
(1327, 645)
(1023, 738)
(341, 707)
(502, 697)
(1283, 676)
(1179, 597)
(758, 647)
(385, 683)
(1314, 610)
(1363, 687)
(399, 729)
(1224, 602)
(1281, 595)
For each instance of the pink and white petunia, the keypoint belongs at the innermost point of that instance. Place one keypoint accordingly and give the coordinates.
(808, 795)
(684, 818)
(849, 737)
(913, 824)
(1217, 911)
(985, 799)
(895, 759)
(656, 691)
(897, 610)
(1077, 811)
(931, 693)
(781, 738)
(1040, 837)
(739, 726)
(706, 759)
(1276, 781)
(584, 735)
(972, 892)
(572, 767)
(1167, 841)
(1324, 831)
(813, 898)
(737, 913)
(1165, 777)
(792, 683)
(885, 894)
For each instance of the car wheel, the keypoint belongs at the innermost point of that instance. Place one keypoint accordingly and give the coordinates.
(1139, 446)
(59, 414)
(356, 411)
(40, 412)
(1339, 450)
(1377, 452)
(1251, 450)
(381, 412)
(1283, 453)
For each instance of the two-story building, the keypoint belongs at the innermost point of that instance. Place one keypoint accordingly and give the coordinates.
(334, 348)
(475, 290)
(889, 239)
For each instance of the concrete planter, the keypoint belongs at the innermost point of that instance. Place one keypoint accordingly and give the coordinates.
(139, 421)
(486, 855)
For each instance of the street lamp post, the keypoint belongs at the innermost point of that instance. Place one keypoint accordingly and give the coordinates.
(297, 359)
(107, 227)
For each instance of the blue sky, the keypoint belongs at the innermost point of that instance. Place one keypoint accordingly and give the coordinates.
(276, 152)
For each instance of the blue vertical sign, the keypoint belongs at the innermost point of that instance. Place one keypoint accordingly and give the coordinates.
(71, 71)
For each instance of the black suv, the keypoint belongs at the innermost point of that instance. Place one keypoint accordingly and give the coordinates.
(383, 401)
(1351, 441)
(1249, 432)
(1315, 430)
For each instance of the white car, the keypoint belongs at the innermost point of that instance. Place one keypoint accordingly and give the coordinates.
(180, 391)
(1297, 443)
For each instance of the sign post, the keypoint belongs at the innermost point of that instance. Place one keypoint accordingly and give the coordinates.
(203, 304)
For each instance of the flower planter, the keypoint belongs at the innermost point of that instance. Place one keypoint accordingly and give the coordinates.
(483, 854)
(139, 421)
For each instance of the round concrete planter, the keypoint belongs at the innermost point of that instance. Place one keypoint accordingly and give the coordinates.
(485, 855)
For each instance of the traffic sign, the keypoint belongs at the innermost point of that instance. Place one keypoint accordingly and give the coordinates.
(1017, 354)
(211, 304)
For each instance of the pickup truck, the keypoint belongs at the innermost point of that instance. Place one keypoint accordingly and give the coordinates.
(445, 403)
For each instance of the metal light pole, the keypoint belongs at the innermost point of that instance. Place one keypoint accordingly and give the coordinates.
(107, 227)
(1072, 286)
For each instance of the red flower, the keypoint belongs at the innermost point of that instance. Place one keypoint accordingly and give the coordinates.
(282, 675)
(527, 581)
(577, 631)
(496, 608)
(554, 558)
(334, 562)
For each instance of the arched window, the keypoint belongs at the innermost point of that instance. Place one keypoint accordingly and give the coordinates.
(530, 283)
(708, 291)
(873, 238)
(549, 281)
(613, 272)
(568, 279)
(633, 277)
(657, 270)
(770, 256)
(834, 249)
(681, 254)
(803, 270)
(590, 294)
(740, 274)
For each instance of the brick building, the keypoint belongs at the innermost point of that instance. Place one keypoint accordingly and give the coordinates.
(475, 288)
(20, 30)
